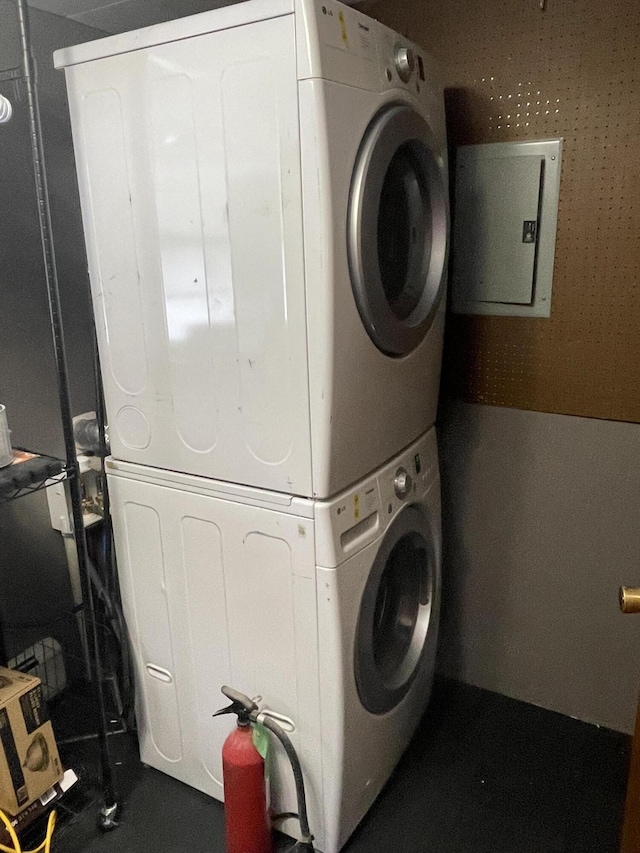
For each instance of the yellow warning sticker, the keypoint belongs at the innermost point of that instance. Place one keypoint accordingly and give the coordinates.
(343, 29)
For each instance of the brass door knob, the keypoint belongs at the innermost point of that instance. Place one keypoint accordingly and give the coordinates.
(630, 599)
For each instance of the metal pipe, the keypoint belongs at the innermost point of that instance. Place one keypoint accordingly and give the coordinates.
(3, 649)
(55, 314)
(101, 418)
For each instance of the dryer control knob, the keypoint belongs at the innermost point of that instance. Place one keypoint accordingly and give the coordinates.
(402, 483)
(405, 63)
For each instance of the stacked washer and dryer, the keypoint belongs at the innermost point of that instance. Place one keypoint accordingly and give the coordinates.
(264, 193)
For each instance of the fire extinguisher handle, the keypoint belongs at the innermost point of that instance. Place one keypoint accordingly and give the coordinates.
(241, 705)
(239, 698)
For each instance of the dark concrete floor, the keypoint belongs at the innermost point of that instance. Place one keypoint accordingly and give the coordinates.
(484, 774)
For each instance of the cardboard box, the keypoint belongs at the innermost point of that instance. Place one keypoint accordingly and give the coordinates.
(24, 819)
(29, 760)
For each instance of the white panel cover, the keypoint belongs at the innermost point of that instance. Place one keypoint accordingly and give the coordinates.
(495, 196)
(188, 159)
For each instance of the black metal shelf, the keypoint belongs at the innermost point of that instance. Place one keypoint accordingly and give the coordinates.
(30, 472)
(41, 471)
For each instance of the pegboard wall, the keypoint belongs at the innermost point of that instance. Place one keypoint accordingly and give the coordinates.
(514, 71)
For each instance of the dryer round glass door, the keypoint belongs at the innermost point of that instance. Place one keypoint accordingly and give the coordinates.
(398, 228)
(398, 621)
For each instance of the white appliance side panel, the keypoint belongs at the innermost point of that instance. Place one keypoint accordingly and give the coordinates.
(365, 406)
(181, 244)
(273, 641)
(188, 616)
(189, 169)
(126, 355)
(142, 570)
(200, 593)
(230, 589)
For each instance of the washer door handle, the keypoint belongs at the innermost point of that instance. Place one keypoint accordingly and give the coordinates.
(158, 672)
(285, 723)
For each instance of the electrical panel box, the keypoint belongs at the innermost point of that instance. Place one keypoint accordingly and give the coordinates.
(504, 232)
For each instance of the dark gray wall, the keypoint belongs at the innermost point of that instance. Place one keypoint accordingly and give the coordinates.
(27, 374)
(541, 520)
(34, 588)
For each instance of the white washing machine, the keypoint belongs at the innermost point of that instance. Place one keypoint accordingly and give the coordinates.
(264, 193)
(328, 610)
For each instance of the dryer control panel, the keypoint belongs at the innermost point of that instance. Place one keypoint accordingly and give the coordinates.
(405, 65)
(346, 46)
(336, 43)
(359, 515)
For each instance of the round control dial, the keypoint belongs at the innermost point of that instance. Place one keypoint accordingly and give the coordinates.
(402, 483)
(405, 63)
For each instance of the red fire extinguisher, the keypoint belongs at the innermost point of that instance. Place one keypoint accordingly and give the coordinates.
(247, 821)
(247, 824)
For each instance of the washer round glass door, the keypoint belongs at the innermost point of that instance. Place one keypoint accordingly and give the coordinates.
(398, 618)
(398, 227)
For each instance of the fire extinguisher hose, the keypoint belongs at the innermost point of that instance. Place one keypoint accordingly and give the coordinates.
(292, 755)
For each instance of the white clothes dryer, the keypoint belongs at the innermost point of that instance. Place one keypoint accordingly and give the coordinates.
(265, 204)
(327, 609)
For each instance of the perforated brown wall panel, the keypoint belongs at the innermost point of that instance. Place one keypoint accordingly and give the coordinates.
(514, 71)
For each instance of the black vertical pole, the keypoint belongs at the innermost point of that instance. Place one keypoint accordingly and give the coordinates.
(55, 313)
(3, 648)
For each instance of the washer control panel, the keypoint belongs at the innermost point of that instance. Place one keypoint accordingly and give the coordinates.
(402, 483)
(359, 515)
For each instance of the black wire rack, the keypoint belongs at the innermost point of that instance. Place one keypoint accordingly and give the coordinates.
(32, 472)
